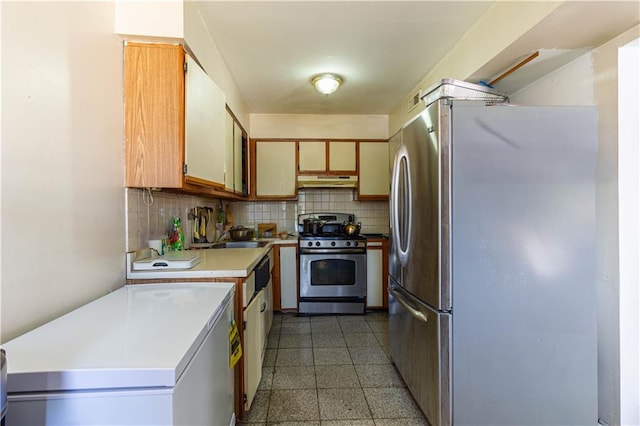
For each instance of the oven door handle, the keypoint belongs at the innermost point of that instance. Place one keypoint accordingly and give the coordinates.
(332, 251)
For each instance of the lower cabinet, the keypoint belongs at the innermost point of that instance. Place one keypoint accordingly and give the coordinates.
(267, 315)
(258, 317)
(288, 277)
(252, 350)
(377, 261)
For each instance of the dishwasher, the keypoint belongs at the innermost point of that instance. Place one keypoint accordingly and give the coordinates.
(256, 324)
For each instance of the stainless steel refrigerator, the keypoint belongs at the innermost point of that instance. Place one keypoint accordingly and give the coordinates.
(492, 286)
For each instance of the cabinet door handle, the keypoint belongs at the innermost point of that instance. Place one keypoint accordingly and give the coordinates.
(264, 306)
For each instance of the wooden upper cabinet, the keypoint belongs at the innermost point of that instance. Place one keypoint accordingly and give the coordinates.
(154, 115)
(373, 171)
(174, 120)
(327, 157)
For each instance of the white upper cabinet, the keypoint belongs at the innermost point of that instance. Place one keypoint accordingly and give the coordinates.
(312, 156)
(342, 156)
(204, 127)
(238, 169)
(228, 154)
(275, 169)
(235, 165)
(373, 175)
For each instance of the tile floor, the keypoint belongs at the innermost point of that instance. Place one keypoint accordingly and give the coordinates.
(331, 371)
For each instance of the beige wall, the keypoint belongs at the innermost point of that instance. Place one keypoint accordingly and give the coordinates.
(199, 41)
(324, 126)
(62, 160)
(592, 80)
(159, 18)
(503, 24)
(180, 21)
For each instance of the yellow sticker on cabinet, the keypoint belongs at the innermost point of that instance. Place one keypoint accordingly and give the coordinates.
(236, 346)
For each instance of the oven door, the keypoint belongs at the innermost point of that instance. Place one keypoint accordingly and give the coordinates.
(333, 275)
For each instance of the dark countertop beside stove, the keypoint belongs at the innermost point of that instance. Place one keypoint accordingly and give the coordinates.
(372, 235)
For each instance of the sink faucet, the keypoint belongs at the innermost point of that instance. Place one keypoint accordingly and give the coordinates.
(221, 235)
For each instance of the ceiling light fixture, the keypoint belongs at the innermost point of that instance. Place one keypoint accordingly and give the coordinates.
(326, 83)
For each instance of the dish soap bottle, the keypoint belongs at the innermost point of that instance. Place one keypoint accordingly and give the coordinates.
(176, 238)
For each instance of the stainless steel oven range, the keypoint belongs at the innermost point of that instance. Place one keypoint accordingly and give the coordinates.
(333, 266)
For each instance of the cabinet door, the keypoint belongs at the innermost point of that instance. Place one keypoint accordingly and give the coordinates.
(312, 157)
(204, 128)
(229, 179)
(154, 115)
(268, 299)
(374, 276)
(275, 169)
(237, 158)
(342, 156)
(288, 278)
(373, 179)
(252, 350)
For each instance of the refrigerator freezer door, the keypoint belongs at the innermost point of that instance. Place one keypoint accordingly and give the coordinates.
(419, 208)
(420, 351)
(523, 250)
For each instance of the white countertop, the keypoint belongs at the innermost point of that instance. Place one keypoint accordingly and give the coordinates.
(215, 263)
(137, 336)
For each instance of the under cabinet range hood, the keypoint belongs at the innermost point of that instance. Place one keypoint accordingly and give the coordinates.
(327, 181)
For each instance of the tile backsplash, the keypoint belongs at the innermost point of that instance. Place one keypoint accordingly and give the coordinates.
(149, 215)
(374, 215)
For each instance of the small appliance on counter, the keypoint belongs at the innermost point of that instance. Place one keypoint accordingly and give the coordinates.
(267, 230)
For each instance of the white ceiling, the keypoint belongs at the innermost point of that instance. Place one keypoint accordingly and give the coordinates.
(381, 48)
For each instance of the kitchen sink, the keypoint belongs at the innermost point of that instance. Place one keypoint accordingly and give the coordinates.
(240, 244)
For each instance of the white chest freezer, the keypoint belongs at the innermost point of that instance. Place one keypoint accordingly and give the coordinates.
(145, 354)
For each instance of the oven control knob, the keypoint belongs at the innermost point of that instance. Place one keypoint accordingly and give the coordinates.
(317, 243)
(333, 243)
(348, 243)
(355, 244)
(309, 243)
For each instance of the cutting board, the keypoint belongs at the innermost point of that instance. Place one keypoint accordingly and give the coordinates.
(170, 260)
(264, 227)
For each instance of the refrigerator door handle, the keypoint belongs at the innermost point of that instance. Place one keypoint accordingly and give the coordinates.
(401, 176)
(404, 302)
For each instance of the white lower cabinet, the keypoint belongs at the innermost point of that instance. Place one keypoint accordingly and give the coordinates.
(374, 275)
(267, 315)
(288, 277)
(252, 351)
